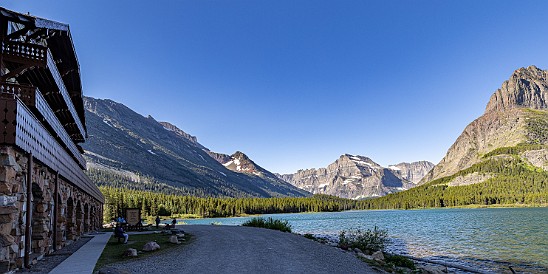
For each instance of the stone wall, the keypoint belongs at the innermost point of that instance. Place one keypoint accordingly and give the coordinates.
(77, 212)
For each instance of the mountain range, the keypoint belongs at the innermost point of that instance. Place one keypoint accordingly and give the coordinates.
(357, 177)
(507, 145)
(125, 149)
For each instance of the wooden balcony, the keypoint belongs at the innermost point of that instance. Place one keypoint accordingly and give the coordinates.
(19, 52)
(21, 128)
(33, 99)
(35, 64)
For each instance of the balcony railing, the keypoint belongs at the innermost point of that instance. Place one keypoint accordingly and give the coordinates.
(24, 51)
(32, 97)
(22, 129)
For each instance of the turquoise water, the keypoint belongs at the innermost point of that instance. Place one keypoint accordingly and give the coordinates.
(487, 239)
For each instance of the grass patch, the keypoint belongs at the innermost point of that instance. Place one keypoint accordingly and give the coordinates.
(281, 225)
(114, 251)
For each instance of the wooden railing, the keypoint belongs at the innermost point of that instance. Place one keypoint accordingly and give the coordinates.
(32, 97)
(20, 51)
(22, 129)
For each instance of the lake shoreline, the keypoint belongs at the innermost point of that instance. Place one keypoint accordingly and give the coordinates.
(194, 217)
(489, 239)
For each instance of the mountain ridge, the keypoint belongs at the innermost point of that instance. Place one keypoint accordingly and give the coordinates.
(121, 140)
(357, 177)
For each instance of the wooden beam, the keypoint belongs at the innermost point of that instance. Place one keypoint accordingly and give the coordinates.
(37, 33)
(3, 33)
(17, 34)
(15, 73)
(56, 208)
(28, 219)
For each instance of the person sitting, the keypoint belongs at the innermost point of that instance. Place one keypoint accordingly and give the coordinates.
(119, 233)
(174, 222)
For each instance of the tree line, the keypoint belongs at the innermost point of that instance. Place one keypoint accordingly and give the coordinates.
(515, 182)
(153, 204)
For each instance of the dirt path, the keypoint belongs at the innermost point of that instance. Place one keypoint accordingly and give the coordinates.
(235, 249)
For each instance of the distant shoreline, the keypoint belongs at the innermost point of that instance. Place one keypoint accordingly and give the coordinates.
(398, 209)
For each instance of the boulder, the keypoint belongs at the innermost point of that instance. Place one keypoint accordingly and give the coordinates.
(173, 239)
(151, 246)
(378, 256)
(130, 252)
(433, 269)
(364, 256)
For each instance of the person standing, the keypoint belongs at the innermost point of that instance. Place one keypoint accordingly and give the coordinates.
(174, 222)
(157, 221)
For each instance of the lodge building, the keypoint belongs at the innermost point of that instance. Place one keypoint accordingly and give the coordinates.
(46, 200)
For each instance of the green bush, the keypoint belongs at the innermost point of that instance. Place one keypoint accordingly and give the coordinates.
(281, 225)
(366, 240)
(399, 260)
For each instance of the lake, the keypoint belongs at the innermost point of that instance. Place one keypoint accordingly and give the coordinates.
(487, 239)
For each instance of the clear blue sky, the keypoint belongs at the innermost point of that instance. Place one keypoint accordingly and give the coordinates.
(295, 84)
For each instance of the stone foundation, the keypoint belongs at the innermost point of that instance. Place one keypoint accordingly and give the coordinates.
(77, 212)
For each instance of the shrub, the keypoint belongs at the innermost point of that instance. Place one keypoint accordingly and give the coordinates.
(366, 240)
(281, 225)
(399, 260)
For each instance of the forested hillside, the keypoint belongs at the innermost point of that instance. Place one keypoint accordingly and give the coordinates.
(516, 183)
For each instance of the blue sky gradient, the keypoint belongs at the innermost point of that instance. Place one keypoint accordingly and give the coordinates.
(295, 84)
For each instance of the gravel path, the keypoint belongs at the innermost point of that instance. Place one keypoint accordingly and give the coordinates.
(237, 249)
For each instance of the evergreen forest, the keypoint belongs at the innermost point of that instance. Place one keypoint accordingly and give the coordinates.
(515, 183)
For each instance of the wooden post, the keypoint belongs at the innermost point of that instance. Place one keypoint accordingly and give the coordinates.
(56, 208)
(3, 34)
(28, 225)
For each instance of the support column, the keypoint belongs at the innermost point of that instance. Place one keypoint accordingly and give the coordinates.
(56, 209)
(28, 226)
(3, 34)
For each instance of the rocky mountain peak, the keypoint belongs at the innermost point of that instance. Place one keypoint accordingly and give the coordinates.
(357, 177)
(241, 156)
(358, 161)
(526, 88)
(241, 163)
